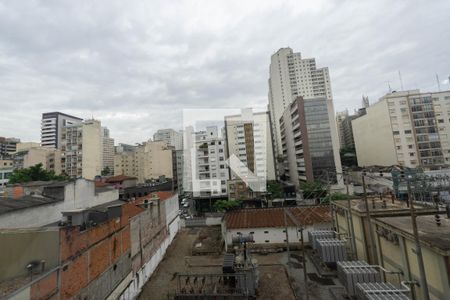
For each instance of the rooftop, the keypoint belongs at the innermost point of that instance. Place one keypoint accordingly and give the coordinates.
(9, 204)
(377, 206)
(430, 233)
(274, 217)
(119, 178)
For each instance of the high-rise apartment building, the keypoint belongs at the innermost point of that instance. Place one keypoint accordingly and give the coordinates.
(292, 76)
(407, 128)
(52, 128)
(206, 172)
(82, 149)
(108, 151)
(310, 143)
(8, 146)
(150, 160)
(344, 126)
(171, 137)
(249, 138)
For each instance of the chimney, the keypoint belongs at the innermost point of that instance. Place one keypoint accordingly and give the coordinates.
(17, 191)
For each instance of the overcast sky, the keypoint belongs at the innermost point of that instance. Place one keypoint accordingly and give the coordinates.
(136, 64)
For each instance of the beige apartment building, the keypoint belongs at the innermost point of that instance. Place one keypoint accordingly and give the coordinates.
(82, 149)
(407, 128)
(249, 138)
(148, 161)
(30, 154)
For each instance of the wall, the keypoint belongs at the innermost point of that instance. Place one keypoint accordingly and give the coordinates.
(92, 149)
(403, 257)
(373, 136)
(275, 235)
(34, 245)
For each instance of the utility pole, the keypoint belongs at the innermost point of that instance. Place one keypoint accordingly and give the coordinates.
(423, 279)
(369, 221)
(350, 216)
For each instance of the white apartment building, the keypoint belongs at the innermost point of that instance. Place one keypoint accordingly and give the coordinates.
(6, 169)
(108, 151)
(82, 149)
(205, 169)
(249, 138)
(292, 76)
(52, 127)
(150, 160)
(407, 128)
(171, 137)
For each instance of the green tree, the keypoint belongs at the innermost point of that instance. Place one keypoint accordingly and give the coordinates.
(33, 173)
(106, 171)
(340, 196)
(227, 205)
(313, 190)
(275, 189)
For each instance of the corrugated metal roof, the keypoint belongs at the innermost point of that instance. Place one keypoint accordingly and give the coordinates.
(274, 217)
(9, 204)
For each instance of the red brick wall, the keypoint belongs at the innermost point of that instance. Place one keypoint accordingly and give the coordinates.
(45, 287)
(74, 276)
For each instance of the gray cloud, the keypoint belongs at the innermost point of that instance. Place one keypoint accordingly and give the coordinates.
(135, 65)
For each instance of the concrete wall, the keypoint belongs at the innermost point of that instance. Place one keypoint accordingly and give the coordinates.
(20, 247)
(401, 256)
(374, 140)
(92, 149)
(77, 194)
(274, 235)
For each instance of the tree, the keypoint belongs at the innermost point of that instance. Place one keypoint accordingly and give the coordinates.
(313, 190)
(33, 173)
(275, 189)
(340, 196)
(106, 171)
(227, 205)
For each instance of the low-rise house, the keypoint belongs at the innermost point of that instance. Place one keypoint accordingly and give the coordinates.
(396, 251)
(268, 225)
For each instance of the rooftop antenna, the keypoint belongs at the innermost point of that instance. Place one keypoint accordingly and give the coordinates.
(401, 81)
(389, 86)
(438, 83)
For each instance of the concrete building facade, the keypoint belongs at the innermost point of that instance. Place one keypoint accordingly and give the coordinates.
(292, 76)
(82, 149)
(150, 161)
(171, 137)
(52, 127)
(310, 145)
(249, 138)
(8, 147)
(108, 151)
(49, 158)
(6, 169)
(345, 131)
(407, 128)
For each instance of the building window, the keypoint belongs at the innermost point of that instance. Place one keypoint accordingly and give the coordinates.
(396, 132)
(266, 232)
(407, 131)
(267, 241)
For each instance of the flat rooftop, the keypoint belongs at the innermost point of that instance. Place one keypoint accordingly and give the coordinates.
(430, 233)
(377, 206)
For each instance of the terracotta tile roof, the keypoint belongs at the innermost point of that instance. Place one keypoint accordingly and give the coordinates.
(118, 178)
(101, 184)
(274, 217)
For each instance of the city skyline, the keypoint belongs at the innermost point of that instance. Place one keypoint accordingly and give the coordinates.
(203, 56)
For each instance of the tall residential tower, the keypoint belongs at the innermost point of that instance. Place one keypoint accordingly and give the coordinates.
(292, 76)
